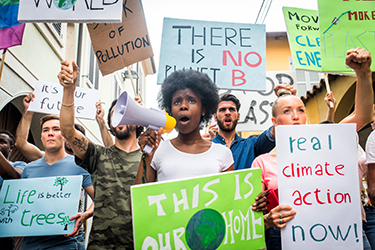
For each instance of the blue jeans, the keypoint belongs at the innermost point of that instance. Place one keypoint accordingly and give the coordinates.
(273, 238)
(369, 226)
(366, 243)
(81, 241)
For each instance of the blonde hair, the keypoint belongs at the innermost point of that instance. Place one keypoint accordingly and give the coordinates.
(281, 93)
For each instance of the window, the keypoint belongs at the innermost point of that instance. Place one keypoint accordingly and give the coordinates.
(117, 89)
(57, 28)
(93, 74)
(306, 80)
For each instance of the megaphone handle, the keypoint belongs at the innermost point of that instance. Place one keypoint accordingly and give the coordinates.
(147, 149)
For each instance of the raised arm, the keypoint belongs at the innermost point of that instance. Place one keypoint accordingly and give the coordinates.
(29, 150)
(106, 136)
(68, 79)
(360, 61)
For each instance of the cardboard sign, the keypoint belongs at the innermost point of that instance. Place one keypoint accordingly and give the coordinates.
(303, 36)
(48, 98)
(233, 55)
(202, 213)
(119, 45)
(318, 176)
(350, 24)
(256, 107)
(39, 206)
(82, 11)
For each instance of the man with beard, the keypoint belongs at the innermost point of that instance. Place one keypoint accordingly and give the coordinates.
(244, 150)
(113, 170)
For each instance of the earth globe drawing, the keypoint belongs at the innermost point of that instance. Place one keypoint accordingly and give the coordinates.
(64, 4)
(205, 230)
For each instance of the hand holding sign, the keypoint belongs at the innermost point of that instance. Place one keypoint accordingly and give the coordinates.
(260, 204)
(99, 112)
(26, 101)
(66, 76)
(277, 218)
(286, 86)
(330, 100)
(80, 219)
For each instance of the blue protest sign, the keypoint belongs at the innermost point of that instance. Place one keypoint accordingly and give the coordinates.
(233, 55)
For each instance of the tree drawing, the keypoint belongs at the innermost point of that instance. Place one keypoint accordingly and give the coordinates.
(11, 209)
(60, 181)
(65, 222)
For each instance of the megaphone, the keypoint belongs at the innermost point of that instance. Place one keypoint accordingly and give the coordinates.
(129, 112)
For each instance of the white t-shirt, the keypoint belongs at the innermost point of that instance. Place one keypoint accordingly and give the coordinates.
(170, 163)
(370, 148)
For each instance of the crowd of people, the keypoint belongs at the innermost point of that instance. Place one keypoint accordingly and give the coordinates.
(192, 99)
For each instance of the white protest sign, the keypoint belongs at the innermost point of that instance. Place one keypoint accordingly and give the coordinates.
(318, 176)
(233, 55)
(48, 98)
(83, 11)
(255, 111)
(39, 206)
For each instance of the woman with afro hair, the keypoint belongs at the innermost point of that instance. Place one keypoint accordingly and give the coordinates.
(191, 98)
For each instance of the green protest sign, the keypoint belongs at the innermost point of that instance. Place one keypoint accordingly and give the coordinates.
(303, 36)
(212, 212)
(344, 25)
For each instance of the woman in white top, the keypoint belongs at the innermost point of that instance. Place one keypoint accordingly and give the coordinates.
(191, 98)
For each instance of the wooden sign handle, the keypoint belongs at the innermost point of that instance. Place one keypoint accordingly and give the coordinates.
(70, 44)
(327, 87)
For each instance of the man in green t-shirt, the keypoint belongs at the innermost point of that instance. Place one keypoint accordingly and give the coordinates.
(113, 170)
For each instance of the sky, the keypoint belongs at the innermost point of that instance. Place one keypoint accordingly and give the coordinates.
(236, 11)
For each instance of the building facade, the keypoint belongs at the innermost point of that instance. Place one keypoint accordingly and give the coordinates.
(39, 57)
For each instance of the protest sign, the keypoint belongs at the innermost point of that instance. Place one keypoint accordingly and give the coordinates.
(119, 45)
(39, 206)
(203, 213)
(256, 107)
(350, 24)
(48, 100)
(318, 176)
(303, 36)
(83, 11)
(233, 55)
